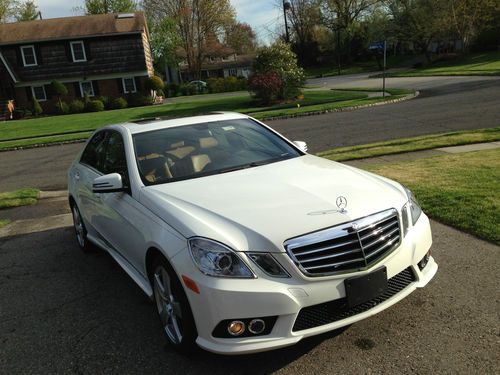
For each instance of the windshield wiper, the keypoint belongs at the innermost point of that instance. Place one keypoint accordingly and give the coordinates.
(250, 165)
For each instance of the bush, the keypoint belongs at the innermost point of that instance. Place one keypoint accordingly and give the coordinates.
(76, 106)
(280, 59)
(118, 103)
(36, 107)
(139, 100)
(58, 88)
(227, 84)
(20, 113)
(94, 106)
(187, 89)
(172, 89)
(62, 108)
(106, 100)
(154, 83)
(266, 86)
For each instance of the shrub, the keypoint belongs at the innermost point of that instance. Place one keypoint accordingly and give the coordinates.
(20, 113)
(279, 59)
(160, 93)
(118, 103)
(154, 83)
(58, 89)
(62, 108)
(139, 100)
(266, 86)
(187, 89)
(106, 100)
(76, 106)
(94, 106)
(227, 84)
(172, 89)
(36, 107)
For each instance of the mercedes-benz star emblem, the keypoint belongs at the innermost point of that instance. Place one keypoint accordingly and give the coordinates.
(341, 203)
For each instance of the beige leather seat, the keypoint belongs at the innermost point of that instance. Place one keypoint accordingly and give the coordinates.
(154, 167)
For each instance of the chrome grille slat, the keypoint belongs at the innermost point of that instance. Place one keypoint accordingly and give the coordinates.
(335, 264)
(377, 231)
(381, 238)
(330, 256)
(346, 247)
(387, 244)
(327, 248)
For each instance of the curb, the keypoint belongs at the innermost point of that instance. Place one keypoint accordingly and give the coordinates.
(285, 117)
(346, 109)
(53, 194)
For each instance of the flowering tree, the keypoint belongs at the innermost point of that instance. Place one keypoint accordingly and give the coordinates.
(280, 60)
(265, 86)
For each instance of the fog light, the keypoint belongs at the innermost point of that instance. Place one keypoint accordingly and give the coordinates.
(236, 328)
(256, 326)
(424, 261)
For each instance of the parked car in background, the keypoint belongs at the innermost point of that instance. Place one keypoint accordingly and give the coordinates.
(200, 85)
(243, 240)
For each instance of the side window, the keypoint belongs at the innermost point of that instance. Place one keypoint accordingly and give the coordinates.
(114, 159)
(93, 155)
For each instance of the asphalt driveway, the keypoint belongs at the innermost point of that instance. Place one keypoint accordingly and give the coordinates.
(62, 311)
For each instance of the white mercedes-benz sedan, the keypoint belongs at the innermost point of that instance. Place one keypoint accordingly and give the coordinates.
(243, 240)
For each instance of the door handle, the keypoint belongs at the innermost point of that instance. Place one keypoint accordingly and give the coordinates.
(77, 176)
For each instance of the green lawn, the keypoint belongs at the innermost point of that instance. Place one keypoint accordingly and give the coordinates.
(71, 127)
(461, 190)
(412, 144)
(474, 64)
(22, 197)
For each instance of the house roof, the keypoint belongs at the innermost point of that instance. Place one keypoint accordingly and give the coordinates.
(71, 27)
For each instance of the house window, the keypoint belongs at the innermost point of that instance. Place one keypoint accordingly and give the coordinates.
(129, 85)
(29, 56)
(78, 51)
(39, 93)
(233, 72)
(86, 87)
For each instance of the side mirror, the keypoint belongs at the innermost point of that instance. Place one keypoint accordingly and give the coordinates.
(301, 145)
(109, 183)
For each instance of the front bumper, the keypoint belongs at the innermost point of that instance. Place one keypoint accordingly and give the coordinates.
(221, 299)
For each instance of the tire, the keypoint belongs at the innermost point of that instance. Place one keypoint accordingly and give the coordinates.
(173, 307)
(80, 230)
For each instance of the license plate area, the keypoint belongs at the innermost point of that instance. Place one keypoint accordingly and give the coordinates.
(361, 289)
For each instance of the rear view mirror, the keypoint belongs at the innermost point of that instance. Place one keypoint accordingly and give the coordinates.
(109, 183)
(301, 145)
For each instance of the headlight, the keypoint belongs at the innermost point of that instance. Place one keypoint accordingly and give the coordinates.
(268, 264)
(413, 206)
(215, 259)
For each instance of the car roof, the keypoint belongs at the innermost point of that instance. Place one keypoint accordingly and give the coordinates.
(149, 124)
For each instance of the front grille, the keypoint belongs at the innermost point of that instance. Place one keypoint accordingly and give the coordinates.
(347, 247)
(333, 311)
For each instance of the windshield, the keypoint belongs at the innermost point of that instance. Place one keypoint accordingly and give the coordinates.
(191, 151)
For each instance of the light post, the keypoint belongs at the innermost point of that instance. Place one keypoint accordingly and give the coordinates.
(286, 7)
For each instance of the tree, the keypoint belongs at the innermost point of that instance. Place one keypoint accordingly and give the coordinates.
(419, 21)
(280, 59)
(469, 17)
(109, 6)
(36, 107)
(240, 37)
(164, 41)
(6, 10)
(195, 20)
(304, 16)
(59, 89)
(26, 11)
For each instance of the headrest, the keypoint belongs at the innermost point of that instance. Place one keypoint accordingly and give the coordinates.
(208, 142)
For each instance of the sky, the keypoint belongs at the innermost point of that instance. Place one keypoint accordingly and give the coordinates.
(263, 15)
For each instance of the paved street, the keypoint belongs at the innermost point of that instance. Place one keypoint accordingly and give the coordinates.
(66, 312)
(445, 104)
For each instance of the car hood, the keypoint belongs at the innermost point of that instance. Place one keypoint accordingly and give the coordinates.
(259, 208)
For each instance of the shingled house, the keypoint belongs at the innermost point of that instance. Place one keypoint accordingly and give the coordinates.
(106, 54)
